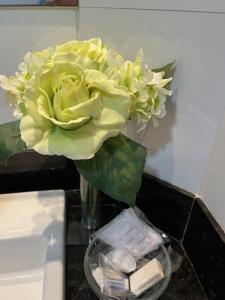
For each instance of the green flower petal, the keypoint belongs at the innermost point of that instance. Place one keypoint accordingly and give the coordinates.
(114, 113)
(82, 143)
(45, 109)
(91, 107)
(94, 49)
(33, 61)
(71, 125)
(34, 135)
(73, 107)
(98, 80)
(31, 96)
(109, 119)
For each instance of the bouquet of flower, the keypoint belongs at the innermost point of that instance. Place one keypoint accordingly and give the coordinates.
(74, 100)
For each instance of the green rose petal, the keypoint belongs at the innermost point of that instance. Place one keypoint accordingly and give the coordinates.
(72, 110)
(46, 111)
(90, 108)
(93, 49)
(70, 99)
(98, 80)
(80, 144)
(34, 135)
(109, 119)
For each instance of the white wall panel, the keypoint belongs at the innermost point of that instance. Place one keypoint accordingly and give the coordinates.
(192, 32)
(180, 148)
(23, 30)
(213, 189)
(182, 5)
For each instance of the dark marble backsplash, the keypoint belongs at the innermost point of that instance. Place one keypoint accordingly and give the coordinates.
(205, 246)
(30, 171)
(166, 206)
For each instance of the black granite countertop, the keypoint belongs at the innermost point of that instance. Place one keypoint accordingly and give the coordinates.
(193, 231)
(184, 284)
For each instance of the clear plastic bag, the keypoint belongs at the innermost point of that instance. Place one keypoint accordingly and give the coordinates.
(131, 232)
(128, 259)
(122, 260)
(112, 283)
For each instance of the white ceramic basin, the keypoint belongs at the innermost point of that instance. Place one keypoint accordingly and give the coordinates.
(32, 246)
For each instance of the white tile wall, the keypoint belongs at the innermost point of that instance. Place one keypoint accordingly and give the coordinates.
(192, 32)
(213, 189)
(23, 30)
(190, 5)
(180, 148)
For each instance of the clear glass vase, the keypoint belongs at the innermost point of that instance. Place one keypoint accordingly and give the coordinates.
(90, 205)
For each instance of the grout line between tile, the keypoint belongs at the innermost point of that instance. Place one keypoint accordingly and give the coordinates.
(77, 24)
(156, 9)
(193, 268)
(187, 222)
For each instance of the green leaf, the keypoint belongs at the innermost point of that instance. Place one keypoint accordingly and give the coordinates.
(10, 140)
(116, 168)
(168, 69)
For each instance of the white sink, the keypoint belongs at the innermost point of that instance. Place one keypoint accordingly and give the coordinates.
(32, 246)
